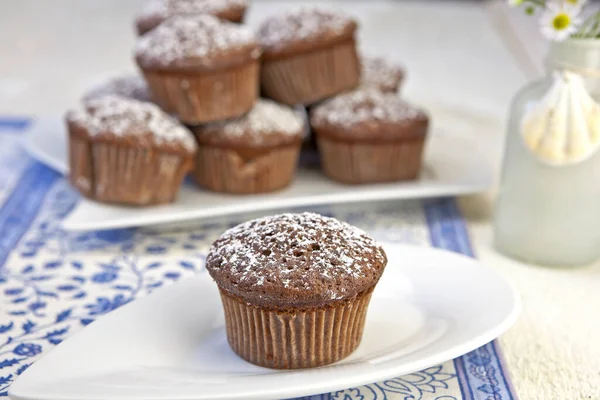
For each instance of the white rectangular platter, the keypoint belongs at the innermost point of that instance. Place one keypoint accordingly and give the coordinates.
(452, 166)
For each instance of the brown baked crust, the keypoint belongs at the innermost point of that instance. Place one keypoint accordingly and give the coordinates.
(129, 123)
(157, 11)
(267, 125)
(295, 261)
(246, 139)
(132, 86)
(304, 30)
(378, 73)
(368, 116)
(196, 44)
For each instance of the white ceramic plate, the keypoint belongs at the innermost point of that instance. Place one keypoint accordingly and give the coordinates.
(452, 167)
(429, 307)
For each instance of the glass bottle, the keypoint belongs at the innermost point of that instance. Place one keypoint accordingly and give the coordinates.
(550, 214)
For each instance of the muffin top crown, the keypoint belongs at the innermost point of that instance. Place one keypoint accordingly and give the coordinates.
(304, 29)
(130, 86)
(130, 122)
(368, 114)
(267, 124)
(156, 11)
(168, 8)
(295, 260)
(380, 74)
(199, 42)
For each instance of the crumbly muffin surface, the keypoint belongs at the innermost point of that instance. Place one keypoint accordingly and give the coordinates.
(368, 114)
(267, 124)
(295, 260)
(304, 29)
(196, 43)
(130, 122)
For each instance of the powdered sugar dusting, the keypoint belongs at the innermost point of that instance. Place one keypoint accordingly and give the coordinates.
(300, 25)
(169, 8)
(366, 105)
(266, 118)
(297, 253)
(125, 117)
(187, 38)
(130, 86)
(380, 74)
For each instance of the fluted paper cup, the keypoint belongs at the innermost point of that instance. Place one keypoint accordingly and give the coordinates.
(355, 162)
(295, 338)
(126, 175)
(312, 76)
(198, 98)
(226, 170)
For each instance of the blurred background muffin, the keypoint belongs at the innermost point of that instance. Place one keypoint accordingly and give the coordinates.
(252, 154)
(199, 68)
(155, 12)
(367, 136)
(128, 152)
(309, 54)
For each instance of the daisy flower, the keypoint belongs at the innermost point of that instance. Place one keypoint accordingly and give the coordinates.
(559, 20)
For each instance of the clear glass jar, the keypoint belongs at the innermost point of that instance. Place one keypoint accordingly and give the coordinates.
(550, 214)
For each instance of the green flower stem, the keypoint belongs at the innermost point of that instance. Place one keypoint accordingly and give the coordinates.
(540, 3)
(590, 29)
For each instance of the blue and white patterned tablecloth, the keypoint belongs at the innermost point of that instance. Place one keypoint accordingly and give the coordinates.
(53, 283)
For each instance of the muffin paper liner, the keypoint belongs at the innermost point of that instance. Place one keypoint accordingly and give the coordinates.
(309, 77)
(290, 339)
(356, 162)
(224, 170)
(118, 174)
(80, 165)
(206, 97)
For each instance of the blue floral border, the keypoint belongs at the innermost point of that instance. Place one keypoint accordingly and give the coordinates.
(480, 373)
(15, 124)
(22, 206)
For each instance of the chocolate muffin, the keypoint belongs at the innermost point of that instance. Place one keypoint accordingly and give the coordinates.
(368, 136)
(201, 69)
(157, 11)
(377, 73)
(295, 288)
(130, 86)
(128, 152)
(309, 55)
(255, 153)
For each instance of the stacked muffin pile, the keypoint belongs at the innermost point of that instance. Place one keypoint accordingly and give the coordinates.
(196, 107)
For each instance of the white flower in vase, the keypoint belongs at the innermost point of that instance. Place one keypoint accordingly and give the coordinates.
(560, 20)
